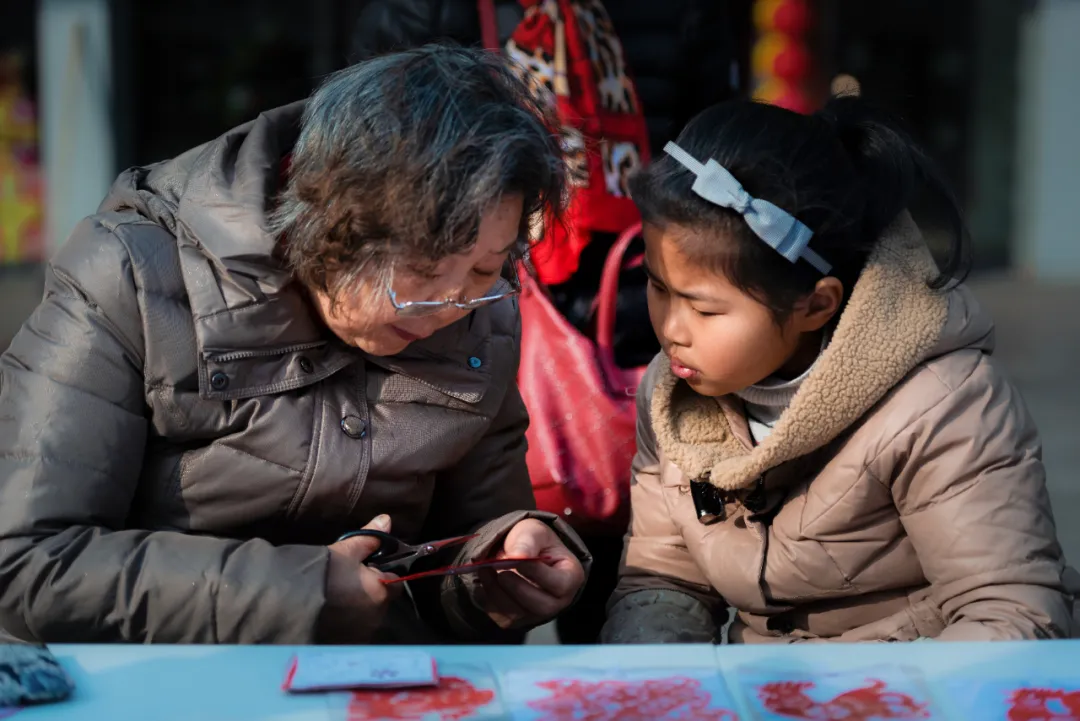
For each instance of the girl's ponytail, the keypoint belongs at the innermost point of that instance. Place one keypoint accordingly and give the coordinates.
(894, 170)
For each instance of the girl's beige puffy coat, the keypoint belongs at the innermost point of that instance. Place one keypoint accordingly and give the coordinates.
(901, 495)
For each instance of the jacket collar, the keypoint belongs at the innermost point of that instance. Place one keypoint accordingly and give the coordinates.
(456, 361)
(892, 322)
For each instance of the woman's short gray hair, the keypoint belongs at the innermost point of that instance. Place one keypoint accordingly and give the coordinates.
(400, 156)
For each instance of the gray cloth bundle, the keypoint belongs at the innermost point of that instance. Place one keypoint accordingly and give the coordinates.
(31, 675)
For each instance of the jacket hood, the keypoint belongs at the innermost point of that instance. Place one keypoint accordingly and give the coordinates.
(892, 323)
(214, 198)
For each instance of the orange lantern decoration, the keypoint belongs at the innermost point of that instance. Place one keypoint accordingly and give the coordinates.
(786, 95)
(791, 17)
(779, 56)
(780, 60)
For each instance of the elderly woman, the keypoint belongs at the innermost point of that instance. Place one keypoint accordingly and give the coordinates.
(271, 340)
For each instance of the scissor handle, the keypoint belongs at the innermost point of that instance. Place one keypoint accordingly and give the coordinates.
(389, 546)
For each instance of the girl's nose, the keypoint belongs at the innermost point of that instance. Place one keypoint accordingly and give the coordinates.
(674, 329)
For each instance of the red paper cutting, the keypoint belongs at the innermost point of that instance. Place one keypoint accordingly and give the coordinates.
(453, 699)
(1044, 704)
(869, 703)
(496, 564)
(673, 699)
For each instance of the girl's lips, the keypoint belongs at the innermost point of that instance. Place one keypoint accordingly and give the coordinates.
(681, 371)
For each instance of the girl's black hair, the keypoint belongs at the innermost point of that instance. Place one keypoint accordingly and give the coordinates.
(846, 171)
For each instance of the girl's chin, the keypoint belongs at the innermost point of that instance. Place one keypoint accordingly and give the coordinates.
(707, 387)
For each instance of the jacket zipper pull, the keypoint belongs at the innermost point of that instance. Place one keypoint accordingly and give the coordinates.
(708, 501)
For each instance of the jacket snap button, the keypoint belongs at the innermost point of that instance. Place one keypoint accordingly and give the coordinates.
(475, 362)
(219, 381)
(306, 365)
(354, 426)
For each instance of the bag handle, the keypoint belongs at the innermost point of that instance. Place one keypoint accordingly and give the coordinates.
(608, 297)
(489, 26)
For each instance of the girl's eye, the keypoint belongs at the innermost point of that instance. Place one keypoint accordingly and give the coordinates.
(486, 273)
(705, 314)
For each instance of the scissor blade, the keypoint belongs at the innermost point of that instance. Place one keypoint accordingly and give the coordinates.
(403, 559)
(448, 542)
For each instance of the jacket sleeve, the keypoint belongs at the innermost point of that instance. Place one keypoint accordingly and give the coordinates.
(73, 429)
(662, 596)
(969, 482)
(487, 493)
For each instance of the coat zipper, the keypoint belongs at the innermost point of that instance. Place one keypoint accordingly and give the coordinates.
(267, 352)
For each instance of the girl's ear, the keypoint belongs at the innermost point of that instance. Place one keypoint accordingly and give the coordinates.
(816, 309)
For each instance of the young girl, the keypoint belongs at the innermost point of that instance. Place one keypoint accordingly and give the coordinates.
(824, 443)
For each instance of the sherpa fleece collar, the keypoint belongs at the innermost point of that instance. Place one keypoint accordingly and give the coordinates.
(891, 323)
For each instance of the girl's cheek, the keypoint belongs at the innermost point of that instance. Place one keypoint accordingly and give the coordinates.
(657, 311)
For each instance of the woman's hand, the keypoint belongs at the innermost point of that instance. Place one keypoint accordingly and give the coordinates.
(536, 591)
(356, 597)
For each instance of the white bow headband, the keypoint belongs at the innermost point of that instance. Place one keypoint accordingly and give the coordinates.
(778, 228)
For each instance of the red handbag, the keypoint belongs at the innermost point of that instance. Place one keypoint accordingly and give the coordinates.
(582, 407)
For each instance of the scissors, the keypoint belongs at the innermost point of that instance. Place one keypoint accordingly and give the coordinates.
(395, 556)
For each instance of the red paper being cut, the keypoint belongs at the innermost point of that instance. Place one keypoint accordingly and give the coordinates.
(1044, 704)
(453, 699)
(869, 703)
(671, 699)
(495, 564)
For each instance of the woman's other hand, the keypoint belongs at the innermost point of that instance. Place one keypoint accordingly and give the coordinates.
(536, 591)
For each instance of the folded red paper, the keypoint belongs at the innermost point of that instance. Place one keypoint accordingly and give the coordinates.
(496, 564)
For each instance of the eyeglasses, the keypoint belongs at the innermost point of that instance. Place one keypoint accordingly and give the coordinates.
(504, 288)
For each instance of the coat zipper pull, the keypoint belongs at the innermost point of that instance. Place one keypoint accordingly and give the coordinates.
(708, 501)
